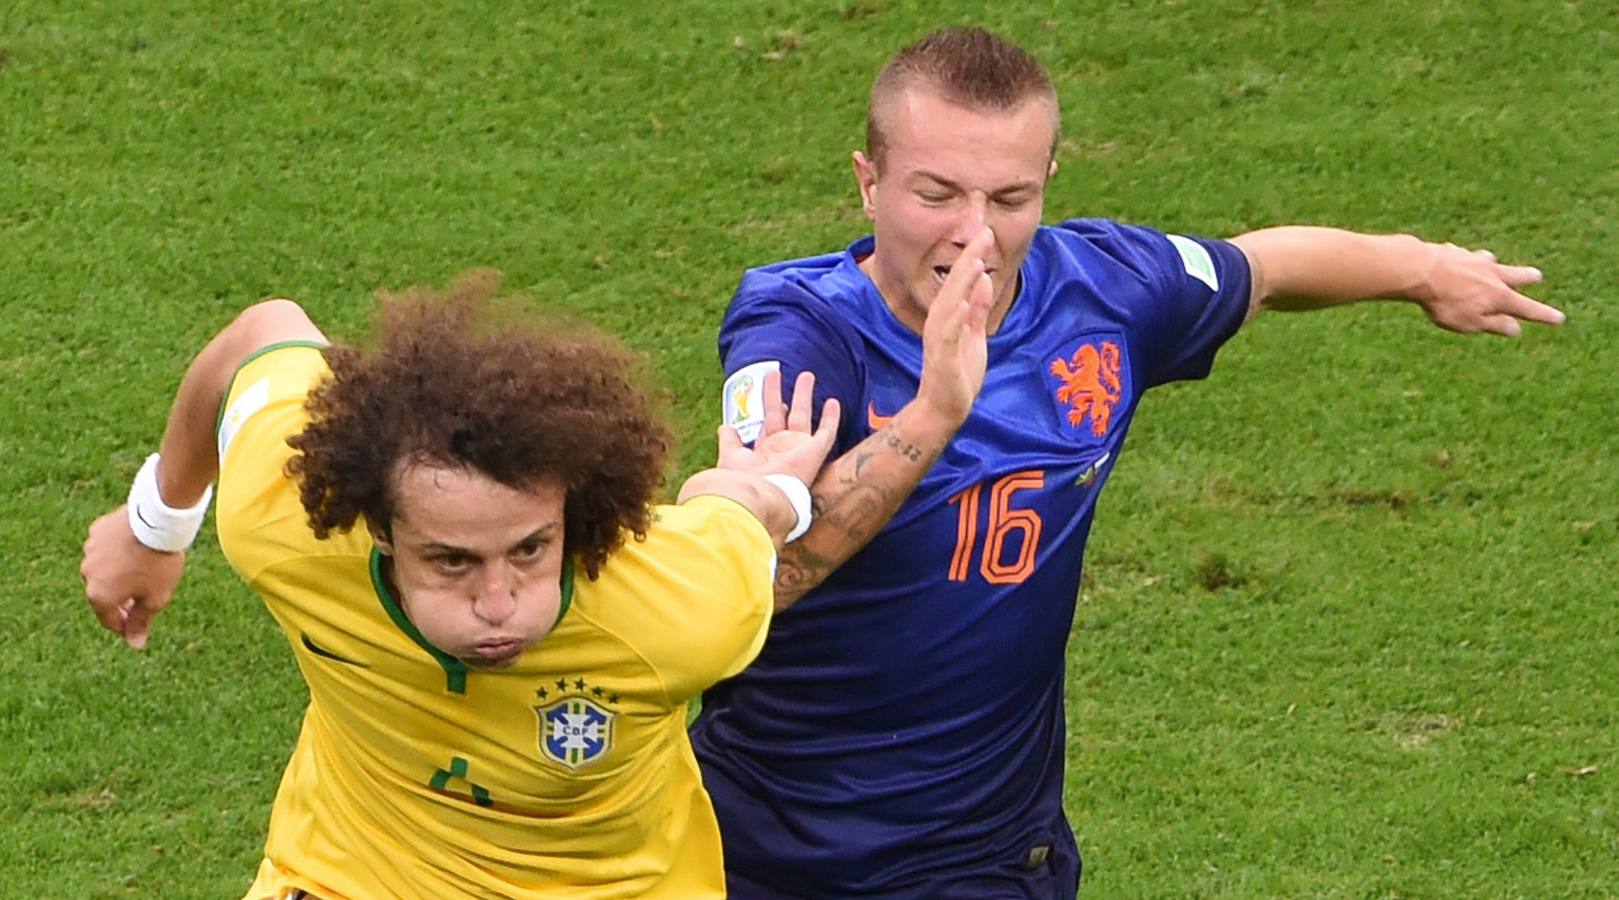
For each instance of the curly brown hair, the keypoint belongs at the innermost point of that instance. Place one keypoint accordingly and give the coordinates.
(457, 380)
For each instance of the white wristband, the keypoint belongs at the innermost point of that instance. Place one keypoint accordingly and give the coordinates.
(798, 494)
(155, 523)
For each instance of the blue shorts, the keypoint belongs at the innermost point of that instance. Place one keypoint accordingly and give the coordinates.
(760, 864)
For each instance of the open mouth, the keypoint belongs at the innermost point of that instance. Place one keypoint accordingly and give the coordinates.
(940, 273)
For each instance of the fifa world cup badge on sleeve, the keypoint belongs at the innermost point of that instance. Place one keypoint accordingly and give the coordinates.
(1195, 257)
(241, 409)
(744, 404)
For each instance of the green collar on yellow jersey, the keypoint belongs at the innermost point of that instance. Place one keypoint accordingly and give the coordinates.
(455, 671)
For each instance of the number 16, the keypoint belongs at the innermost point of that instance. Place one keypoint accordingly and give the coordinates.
(1003, 520)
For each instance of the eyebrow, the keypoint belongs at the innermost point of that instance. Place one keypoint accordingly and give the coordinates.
(544, 532)
(1000, 191)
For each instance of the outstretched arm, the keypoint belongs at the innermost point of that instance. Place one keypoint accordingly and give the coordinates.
(856, 494)
(126, 581)
(1303, 267)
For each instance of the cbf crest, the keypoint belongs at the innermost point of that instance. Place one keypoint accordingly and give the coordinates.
(577, 729)
(1086, 379)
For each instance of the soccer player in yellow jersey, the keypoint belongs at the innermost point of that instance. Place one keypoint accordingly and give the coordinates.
(499, 631)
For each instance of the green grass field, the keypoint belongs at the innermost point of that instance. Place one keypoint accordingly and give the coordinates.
(1349, 627)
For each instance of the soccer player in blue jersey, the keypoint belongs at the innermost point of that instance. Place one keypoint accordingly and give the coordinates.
(901, 735)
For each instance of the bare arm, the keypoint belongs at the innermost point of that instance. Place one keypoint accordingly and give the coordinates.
(856, 494)
(1303, 267)
(127, 583)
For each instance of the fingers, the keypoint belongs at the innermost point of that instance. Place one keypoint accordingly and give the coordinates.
(775, 410)
(979, 302)
(138, 624)
(1498, 315)
(966, 270)
(126, 583)
(957, 300)
(729, 441)
(1504, 325)
(109, 612)
(1517, 306)
(1518, 276)
(1480, 294)
(1531, 310)
(105, 602)
(831, 415)
(798, 418)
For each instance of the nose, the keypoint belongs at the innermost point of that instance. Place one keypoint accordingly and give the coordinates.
(497, 594)
(974, 215)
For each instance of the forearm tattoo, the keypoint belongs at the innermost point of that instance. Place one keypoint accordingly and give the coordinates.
(901, 446)
(849, 508)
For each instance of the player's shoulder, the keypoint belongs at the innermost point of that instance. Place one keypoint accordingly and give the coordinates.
(1096, 245)
(691, 597)
(807, 269)
(291, 357)
(817, 304)
(807, 282)
(258, 513)
(692, 551)
(706, 530)
(1105, 238)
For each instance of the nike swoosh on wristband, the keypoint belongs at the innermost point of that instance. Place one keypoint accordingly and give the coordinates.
(877, 422)
(318, 650)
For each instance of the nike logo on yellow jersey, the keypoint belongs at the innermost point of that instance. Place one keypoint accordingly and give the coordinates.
(318, 650)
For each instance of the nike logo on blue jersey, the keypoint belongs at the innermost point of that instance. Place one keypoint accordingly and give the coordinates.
(877, 422)
(318, 650)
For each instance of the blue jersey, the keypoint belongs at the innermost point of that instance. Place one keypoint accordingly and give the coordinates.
(902, 731)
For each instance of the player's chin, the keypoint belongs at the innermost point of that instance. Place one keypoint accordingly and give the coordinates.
(485, 664)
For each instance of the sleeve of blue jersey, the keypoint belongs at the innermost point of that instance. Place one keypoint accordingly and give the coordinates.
(1185, 321)
(1202, 318)
(771, 318)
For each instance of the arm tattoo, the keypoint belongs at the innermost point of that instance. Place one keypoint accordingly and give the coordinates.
(861, 458)
(901, 446)
(849, 508)
(797, 571)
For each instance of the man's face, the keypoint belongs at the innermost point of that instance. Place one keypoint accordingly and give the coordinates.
(477, 564)
(947, 171)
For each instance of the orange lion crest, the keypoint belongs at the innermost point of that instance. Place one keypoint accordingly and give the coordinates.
(1090, 384)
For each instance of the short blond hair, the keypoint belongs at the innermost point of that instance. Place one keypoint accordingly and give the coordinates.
(970, 67)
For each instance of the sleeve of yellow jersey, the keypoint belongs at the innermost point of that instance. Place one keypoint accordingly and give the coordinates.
(259, 517)
(713, 625)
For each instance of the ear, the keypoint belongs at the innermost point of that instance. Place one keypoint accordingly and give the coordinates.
(865, 175)
(384, 546)
(1053, 170)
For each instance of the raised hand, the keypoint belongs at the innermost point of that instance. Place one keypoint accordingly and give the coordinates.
(787, 444)
(126, 582)
(1468, 291)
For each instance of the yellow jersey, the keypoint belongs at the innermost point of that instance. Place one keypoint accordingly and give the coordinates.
(567, 774)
